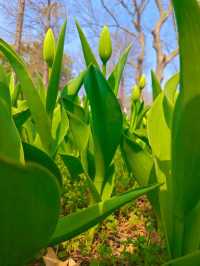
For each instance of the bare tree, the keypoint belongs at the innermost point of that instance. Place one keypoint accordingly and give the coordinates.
(128, 18)
(162, 59)
(19, 24)
(33, 18)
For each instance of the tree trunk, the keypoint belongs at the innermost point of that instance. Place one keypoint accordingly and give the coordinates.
(19, 24)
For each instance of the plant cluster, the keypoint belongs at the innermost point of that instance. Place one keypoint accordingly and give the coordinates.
(42, 128)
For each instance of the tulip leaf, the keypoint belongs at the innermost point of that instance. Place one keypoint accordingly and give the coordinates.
(116, 75)
(189, 260)
(73, 86)
(53, 86)
(140, 163)
(106, 125)
(87, 51)
(73, 108)
(33, 154)
(185, 180)
(21, 117)
(30, 200)
(10, 142)
(170, 88)
(73, 165)
(35, 105)
(159, 128)
(4, 87)
(77, 223)
(60, 126)
(156, 87)
(80, 131)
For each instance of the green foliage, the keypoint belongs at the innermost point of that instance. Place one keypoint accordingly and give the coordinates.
(116, 74)
(76, 223)
(39, 126)
(30, 200)
(106, 132)
(156, 87)
(87, 51)
(53, 85)
(35, 105)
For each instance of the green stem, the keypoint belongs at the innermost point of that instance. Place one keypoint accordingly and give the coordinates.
(104, 69)
(50, 70)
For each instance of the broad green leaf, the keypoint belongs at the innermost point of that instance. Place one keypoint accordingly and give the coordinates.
(80, 131)
(12, 86)
(21, 105)
(60, 126)
(156, 87)
(116, 75)
(141, 115)
(42, 90)
(29, 211)
(170, 88)
(185, 180)
(35, 105)
(4, 87)
(75, 109)
(159, 134)
(33, 154)
(78, 222)
(53, 86)
(106, 124)
(87, 51)
(110, 183)
(73, 165)
(21, 117)
(159, 128)
(139, 160)
(10, 142)
(63, 127)
(192, 259)
(73, 86)
(140, 163)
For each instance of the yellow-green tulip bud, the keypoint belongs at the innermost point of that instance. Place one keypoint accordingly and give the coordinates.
(49, 48)
(105, 45)
(142, 82)
(136, 93)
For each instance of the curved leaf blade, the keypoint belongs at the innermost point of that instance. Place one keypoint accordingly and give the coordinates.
(87, 51)
(116, 75)
(106, 124)
(35, 105)
(53, 86)
(29, 210)
(77, 223)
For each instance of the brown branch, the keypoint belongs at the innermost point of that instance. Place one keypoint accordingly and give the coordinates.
(162, 59)
(118, 25)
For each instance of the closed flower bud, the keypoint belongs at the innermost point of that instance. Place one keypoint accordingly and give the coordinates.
(142, 82)
(105, 45)
(49, 47)
(136, 93)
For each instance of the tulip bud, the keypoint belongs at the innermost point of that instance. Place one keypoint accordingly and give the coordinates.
(136, 93)
(49, 48)
(142, 82)
(105, 45)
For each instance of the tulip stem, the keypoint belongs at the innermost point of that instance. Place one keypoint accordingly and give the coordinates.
(104, 69)
(49, 72)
